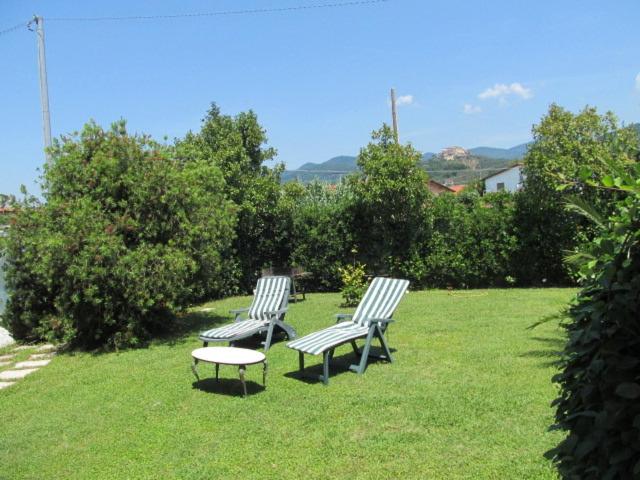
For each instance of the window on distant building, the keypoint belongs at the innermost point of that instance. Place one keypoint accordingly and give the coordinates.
(500, 186)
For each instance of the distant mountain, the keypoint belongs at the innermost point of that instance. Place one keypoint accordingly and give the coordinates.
(513, 153)
(340, 163)
(329, 171)
(460, 170)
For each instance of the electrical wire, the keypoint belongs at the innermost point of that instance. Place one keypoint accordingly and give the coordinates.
(14, 28)
(219, 13)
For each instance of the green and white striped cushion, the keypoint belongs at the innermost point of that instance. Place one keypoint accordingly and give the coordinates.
(237, 329)
(317, 342)
(379, 302)
(272, 293)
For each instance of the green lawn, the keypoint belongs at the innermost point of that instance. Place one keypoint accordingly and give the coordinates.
(467, 397)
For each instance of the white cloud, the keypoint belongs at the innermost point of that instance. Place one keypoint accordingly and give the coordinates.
(502, 90)
(404, 100)
(470, 109)
(638, 82)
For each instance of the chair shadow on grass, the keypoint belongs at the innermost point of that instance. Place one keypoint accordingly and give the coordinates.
(552, 350)
(339, 365)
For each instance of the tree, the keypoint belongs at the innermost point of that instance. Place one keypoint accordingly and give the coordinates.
(389, 192)
(126, 237)
(564, 144)
(235, 145)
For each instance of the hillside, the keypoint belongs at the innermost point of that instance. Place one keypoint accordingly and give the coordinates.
(467, 166)
(513, 153)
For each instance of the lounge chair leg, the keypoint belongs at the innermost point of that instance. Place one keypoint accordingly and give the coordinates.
(300, 361)
(325, 368)
(205, 344)
(241, 371)
(360, 368)
(267, 342)
(331, 352)
(354, 345)
(385, 346)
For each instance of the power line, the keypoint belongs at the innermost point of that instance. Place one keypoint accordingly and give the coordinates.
(219, 13)
(14, 28)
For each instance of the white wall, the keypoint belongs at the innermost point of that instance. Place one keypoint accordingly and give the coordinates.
(511, 178)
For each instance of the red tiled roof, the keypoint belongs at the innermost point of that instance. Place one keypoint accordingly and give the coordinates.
(457, 188)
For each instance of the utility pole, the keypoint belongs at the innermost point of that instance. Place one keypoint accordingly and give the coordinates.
(394, 115)
(44, 87)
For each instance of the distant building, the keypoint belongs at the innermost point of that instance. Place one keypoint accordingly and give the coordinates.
(457, 188)
(437, 188)
(452, 153)
(507, 180)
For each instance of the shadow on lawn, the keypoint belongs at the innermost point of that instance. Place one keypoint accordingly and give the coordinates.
(227, 386)
(552, 350)
(339, 365)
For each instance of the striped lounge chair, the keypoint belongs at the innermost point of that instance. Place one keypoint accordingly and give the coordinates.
(370, 319)
(264, 316)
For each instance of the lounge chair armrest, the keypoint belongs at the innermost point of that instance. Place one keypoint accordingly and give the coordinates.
(341, 316)
(277, 313)
(237, 312)
(380, 320)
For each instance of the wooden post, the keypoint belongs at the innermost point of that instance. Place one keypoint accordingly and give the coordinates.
(394, 115)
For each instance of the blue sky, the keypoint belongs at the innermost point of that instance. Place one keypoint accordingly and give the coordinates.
(468, 73)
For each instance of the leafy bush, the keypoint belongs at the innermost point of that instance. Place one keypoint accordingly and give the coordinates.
(472, 241)
(354, 284)
(320, 235)
(389, 196)
(235, 146)
(126, 237)
(599, 403)
(564, 144)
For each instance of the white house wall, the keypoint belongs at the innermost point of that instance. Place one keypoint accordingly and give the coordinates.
(511, 178)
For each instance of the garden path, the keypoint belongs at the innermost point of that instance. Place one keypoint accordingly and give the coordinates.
(42, 356)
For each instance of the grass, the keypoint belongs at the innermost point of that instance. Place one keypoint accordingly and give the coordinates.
(467, 397)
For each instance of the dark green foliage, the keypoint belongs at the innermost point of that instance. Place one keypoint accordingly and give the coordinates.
(320, 235)
(126, 237)
(599, 403)
(472, 241)
(235, 146)
(564, 143)
(389, 195)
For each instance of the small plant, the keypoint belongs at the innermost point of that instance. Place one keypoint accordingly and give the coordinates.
(354, 284)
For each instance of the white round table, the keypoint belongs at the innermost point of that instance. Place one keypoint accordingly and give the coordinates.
(230, 356)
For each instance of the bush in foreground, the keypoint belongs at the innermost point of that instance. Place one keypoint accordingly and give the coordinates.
(126, 237)
(599, 403)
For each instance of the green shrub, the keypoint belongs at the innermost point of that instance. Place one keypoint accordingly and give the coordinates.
(472, 241)
(236, 146)
(354, 284)
(599, 402)
(390, 192)
(563, 145)
(321, 238)
(126, 237)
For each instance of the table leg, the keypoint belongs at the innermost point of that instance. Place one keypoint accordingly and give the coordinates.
(217, 369)
(264, 373)
(241, 371)
(193, 368)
